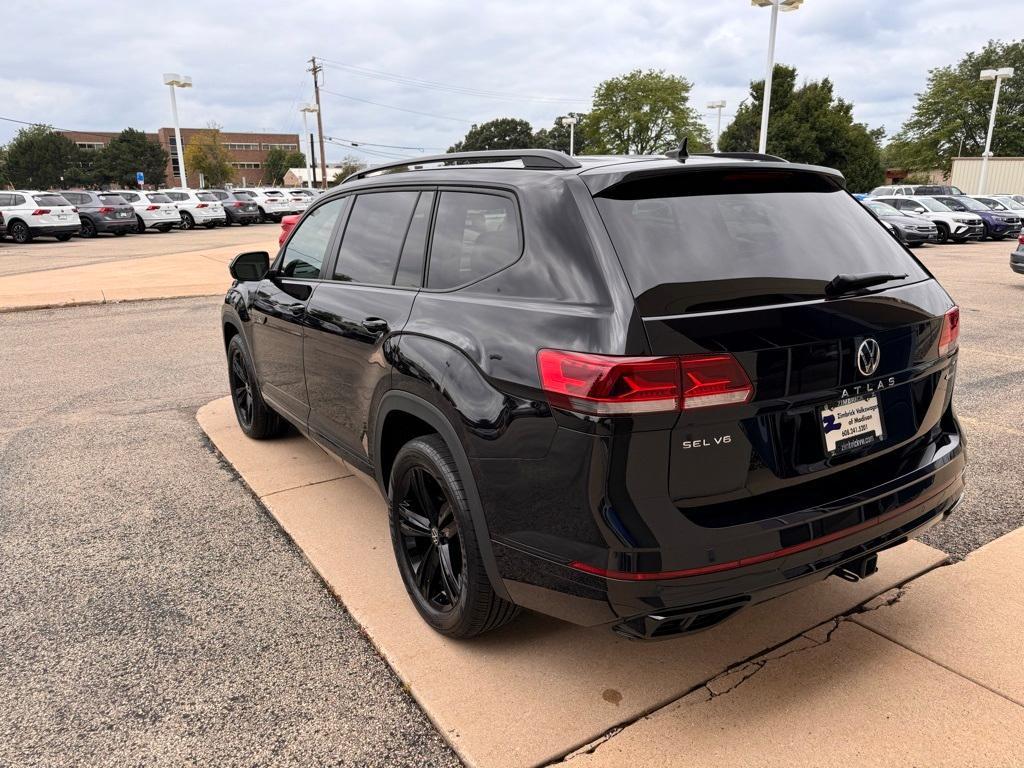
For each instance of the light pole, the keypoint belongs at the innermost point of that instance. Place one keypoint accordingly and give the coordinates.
(308, 109)
(776, 6)
(998, 75)
(174, 80)
(571, 122)
(718, 105)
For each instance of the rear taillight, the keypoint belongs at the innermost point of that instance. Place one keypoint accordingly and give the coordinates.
(202, 205)
(604, 385)
(950, 331)
(152, 207)
(106, 209)
(238, 205)
(40, 211)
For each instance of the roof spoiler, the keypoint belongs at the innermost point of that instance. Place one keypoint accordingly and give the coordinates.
(535, 159)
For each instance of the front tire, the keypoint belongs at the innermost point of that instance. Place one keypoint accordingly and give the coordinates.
(435, 543)
(257, 419)
(943, 233)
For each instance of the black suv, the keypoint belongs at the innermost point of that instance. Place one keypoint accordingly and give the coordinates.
(635, 391)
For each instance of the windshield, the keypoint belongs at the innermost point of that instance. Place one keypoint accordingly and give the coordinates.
(952, 203)
(1009, 202)
(931, 205)
(156, 197)
(882, 209)
(972, 205)
(715, 240)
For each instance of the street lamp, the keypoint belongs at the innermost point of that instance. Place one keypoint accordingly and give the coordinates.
(308, 109)
(571, 122)
(719, 105)
(776, 6)
(998, 75)
(174, 80)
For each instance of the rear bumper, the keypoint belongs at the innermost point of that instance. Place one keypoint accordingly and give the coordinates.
(699, 575)
(239, 216)
(121, 225)
(1017, 260)
(53, 229)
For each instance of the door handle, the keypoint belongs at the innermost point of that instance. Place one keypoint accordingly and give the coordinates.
(376, 325)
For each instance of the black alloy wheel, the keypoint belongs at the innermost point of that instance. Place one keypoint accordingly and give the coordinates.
(258, 420)
(187, 222)
(429, 538)
(943, 233)
(19, 232)
(88, 227)
(241, 388)
(140, 225)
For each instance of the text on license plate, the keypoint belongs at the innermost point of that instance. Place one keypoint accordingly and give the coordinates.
(851, 423)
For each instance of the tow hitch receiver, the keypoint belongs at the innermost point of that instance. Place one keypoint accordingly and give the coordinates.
(858, 569)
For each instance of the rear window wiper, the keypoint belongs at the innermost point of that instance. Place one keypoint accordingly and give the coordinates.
(843, 284)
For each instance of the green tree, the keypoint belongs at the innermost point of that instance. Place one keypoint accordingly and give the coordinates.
(127, 153)
(205, 154)
(557, 137)
(808, 124)
(503, 133)
(40, 157)
(339, 173)
(951, 116)
(277, 163)
(3, 167)
(644, 113)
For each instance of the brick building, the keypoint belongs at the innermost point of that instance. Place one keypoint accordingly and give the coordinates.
(248, 151)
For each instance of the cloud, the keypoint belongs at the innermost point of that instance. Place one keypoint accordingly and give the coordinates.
(248, 60)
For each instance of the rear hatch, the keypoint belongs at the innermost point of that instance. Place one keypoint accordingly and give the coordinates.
(734, 263)
(52, 210)
(209, 200)
(161, 206)
(115, 208)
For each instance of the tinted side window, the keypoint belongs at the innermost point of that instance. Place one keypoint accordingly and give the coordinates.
(410, 266)
(475, 235)
(304, 253)
(374, 236)
(6, 199)
(17, 199)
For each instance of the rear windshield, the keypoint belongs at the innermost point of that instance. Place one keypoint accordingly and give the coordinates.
(157, 197)
(50, 200)
(712, 240)
(108, 199)
(244, 195)
(207, 197)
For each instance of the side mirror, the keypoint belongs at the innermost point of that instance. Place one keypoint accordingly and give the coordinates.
(251, 266)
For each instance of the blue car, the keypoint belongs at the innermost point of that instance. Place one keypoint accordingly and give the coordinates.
(998, 224)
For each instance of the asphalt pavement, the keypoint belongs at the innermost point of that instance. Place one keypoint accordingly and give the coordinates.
(152, 611)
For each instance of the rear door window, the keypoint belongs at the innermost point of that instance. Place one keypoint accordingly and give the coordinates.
(374, 237)
(475, 235)
(717, 240)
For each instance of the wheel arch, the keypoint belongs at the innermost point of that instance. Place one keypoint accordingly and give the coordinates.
(404, 406)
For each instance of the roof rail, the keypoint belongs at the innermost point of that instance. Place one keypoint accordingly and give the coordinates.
(749, 156)
(537, 159)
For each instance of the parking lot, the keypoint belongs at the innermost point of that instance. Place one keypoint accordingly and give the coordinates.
(157, 614)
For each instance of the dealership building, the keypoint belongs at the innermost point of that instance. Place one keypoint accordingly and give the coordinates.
(248, 151)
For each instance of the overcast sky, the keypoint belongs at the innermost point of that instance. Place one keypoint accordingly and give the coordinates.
(533, 59)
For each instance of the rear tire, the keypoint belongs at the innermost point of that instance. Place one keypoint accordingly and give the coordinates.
(257, 419)
(63, 238)
(88, 228)
(163, 228)
(140, 226)
(19, 232)
(262, 217)
(121, 233)
(187, 222)
(435, 543)
(211, 225)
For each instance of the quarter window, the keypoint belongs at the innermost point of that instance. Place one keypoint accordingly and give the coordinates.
(304, 253)
(374, 236)
(475, 235)
(410, 266)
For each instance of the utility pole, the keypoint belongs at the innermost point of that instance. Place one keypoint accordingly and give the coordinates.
(316, 69)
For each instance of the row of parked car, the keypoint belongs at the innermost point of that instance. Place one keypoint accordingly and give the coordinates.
(932, 213)
(28, 214)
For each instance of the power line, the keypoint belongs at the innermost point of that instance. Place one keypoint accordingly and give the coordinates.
(433, 85)
(372, 152)
(399, 109)
(357, 142)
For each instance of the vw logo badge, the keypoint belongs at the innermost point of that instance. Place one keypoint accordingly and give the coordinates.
(869, 355)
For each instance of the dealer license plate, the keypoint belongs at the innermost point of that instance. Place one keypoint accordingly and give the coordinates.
(852, 423)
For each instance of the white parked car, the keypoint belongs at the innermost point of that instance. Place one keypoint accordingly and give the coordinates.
(153, 210)
(197, 207)
(952, 225)
(30, 213)
(301, 198)
(273, 203)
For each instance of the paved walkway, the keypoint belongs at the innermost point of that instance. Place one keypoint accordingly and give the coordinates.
(922, 659)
